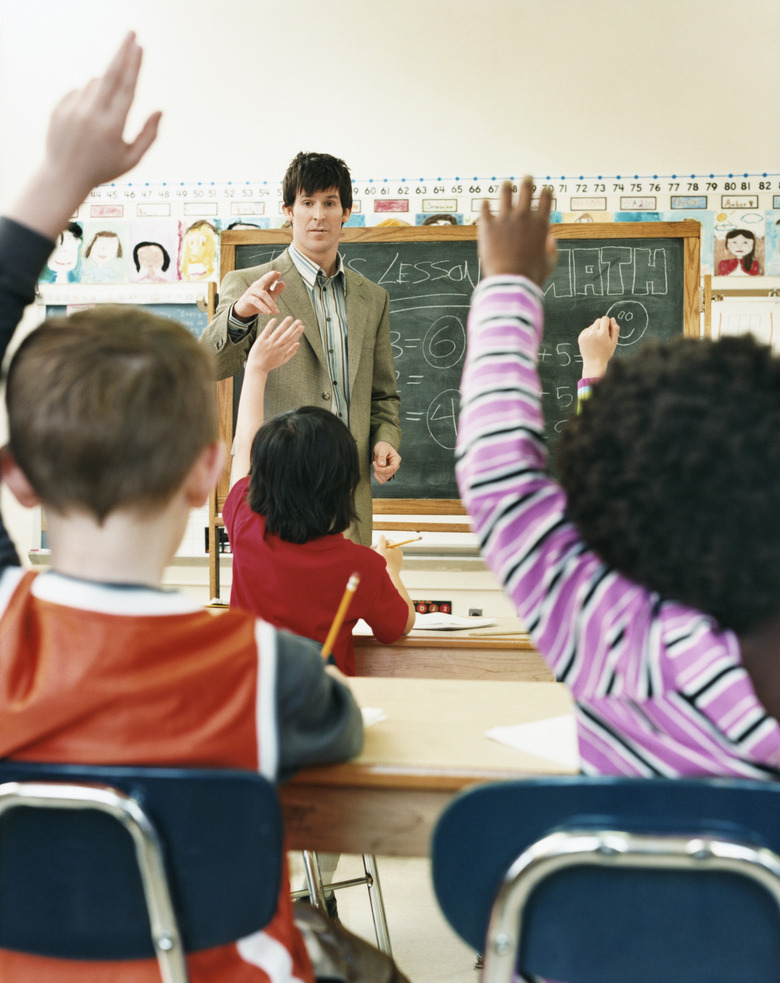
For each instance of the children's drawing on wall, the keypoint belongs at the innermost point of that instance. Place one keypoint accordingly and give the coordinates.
(153, 251)
(741, 250)
(637, 216)
(707, 221)
(199, 251)
(587, 216)
(772, 242)
(440, 218)
(64, 264)
(739, 244)
(152, 262)
(260, 223)
(104, 256)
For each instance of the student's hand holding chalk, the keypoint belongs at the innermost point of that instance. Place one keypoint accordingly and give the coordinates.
(597, 346)
(515, 240)
(85, 144)
(274, 345)
(259, 297)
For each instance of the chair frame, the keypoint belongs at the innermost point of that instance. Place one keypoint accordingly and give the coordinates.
(196, 857)
(554, 875)
(148, 850)
(609, 848)
(316, 891)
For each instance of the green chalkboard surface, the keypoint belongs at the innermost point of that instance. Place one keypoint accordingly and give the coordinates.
(646, 275)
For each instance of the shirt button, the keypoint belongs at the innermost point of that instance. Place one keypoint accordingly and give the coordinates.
(326, 395)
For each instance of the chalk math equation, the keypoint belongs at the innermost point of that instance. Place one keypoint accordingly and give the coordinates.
(430, 285)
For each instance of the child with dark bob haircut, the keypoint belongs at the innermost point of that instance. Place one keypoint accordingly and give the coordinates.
(292, 496)
(649, 577)
(303, 475)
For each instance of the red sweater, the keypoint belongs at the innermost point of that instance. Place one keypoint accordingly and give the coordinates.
(299, 586)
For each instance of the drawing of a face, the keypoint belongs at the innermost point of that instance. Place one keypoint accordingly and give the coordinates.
(199, 251)
(739, 246)
(104, 248)
(150, 258)
(66, 254)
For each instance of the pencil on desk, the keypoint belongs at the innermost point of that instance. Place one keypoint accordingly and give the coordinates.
(352, 583)
(414, 539)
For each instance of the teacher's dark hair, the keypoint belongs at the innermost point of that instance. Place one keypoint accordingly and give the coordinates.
(303, 474)
(309, 172)
(672, 473)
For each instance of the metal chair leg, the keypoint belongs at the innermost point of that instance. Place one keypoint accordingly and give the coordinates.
(317, 891)
(311, 866)
(377, 903)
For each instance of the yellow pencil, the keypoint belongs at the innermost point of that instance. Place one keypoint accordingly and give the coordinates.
(414, 539)
(352, 583)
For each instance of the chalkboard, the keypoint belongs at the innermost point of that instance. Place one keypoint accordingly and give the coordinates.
(644, 274)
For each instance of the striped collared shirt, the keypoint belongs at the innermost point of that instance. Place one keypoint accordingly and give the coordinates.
(329, 300)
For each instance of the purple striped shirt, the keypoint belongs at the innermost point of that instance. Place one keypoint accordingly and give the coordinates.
(660, 689)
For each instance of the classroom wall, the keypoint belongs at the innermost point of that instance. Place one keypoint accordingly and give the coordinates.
(415, 87)
(410, 89)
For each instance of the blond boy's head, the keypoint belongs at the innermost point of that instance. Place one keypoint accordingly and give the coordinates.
(109, 409)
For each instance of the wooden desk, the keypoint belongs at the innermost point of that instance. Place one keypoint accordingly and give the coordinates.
(431, 746)
(479, 653)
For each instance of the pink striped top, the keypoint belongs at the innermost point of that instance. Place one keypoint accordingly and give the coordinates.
(660, 689)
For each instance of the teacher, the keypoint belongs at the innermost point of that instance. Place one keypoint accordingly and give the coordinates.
(345, 362)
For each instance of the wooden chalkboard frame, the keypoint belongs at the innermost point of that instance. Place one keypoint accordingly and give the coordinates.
(688, 230)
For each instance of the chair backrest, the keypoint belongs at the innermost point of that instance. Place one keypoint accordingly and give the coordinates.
(615, 880)
(70, 885)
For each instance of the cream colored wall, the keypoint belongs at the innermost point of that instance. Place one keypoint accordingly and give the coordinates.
(415, 88)
(410, 88)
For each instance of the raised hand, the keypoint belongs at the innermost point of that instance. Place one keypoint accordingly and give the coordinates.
(85, 144)
(515, 240)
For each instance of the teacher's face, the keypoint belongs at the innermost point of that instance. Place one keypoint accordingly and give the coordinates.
(316, 222)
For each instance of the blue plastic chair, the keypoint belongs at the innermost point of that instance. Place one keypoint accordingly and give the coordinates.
(103, 862)
(615, 880)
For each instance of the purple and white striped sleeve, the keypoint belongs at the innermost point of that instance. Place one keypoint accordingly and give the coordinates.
(599, 632)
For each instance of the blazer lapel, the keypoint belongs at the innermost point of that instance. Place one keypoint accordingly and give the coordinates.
(295, 301)
(357, 306)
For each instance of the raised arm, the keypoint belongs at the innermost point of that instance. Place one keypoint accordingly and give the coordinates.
(85, 145)
(275, 345)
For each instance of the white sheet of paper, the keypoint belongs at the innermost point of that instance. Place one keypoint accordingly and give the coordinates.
(438, 621)
(554, 738)
(372, 715)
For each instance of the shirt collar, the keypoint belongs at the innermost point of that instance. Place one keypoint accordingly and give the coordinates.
(310, 271)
